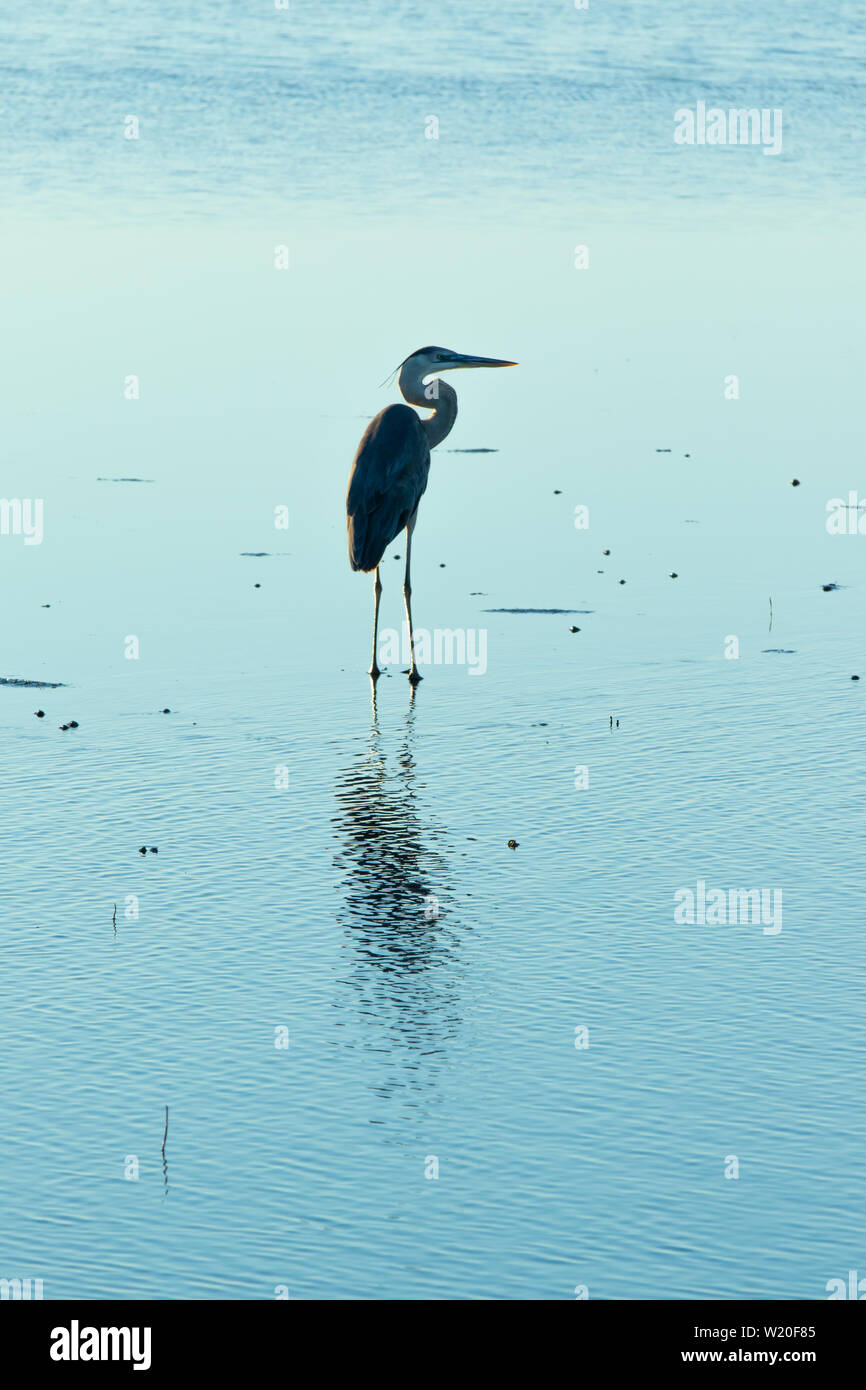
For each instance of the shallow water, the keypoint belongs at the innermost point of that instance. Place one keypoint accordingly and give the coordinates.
(343, 871)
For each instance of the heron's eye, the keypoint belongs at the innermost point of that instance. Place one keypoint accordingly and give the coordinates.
(440, 357)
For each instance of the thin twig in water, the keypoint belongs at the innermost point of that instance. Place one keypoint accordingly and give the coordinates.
(770, 628)
(114, 919)
(165, 1135)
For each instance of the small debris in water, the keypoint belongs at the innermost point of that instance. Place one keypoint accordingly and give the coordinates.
(256, 554)
(622, 581)
(154, 850)
(855, 678)
(257, 586)
(31, 685)
(73, 723)
(64, 727)
(512, 844)
(565, 612)
(686, 456)
(795, 482)
(143, 849)
(574, 629)
(40, 714)
(557, 492)
(45, 605)
(674, 575)
(828, 587)
(165, 711)
(605, 552)
(662, 451)
(441, 565)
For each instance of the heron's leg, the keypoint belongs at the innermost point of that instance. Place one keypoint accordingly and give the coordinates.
(377, 590)
(414, 675)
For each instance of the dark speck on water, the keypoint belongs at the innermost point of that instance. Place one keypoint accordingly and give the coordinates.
(795, 482)
(567, 612)
(40, 714)
(513, 844)
(31, 685)
(574, 629)
(256, 554)
(829, 587)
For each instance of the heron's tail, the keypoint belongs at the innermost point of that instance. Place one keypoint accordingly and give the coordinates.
(365, 550)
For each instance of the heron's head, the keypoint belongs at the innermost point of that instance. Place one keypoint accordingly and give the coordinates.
(428, 361)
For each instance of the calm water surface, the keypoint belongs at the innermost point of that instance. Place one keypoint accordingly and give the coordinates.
(303, 833)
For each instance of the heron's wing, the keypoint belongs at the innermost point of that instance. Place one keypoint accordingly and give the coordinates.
(388, 476)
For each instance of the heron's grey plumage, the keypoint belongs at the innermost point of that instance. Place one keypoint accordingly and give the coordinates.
(390, 468)
(388, 478)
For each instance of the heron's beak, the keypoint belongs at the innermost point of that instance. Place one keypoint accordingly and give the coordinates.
(459, 360)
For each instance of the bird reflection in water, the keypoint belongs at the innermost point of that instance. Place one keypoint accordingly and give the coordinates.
(402, 939)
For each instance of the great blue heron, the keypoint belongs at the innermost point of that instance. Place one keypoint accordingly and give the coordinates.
(389, 472)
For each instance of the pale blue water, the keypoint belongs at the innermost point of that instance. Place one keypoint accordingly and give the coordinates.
(240, 103)
(303, 906)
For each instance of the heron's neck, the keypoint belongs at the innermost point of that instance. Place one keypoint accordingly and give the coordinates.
(437, 396)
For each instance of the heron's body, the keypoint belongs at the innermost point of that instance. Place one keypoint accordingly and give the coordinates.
(391, 466)
(386, 484)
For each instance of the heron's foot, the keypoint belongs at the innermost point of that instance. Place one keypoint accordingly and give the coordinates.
(414, 675)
